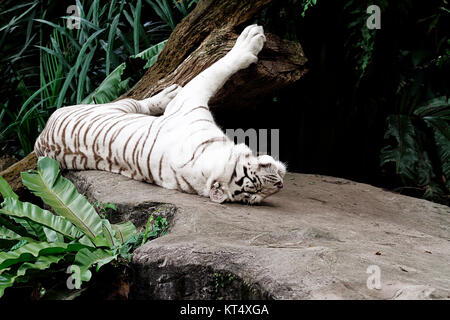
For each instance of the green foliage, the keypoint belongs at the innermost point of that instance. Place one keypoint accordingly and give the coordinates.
(151, 54)
(163, 9)
(56, 66)
(74, 234)
(416, 100)
(112, 87)
(60, 194)
(417, 138)
(46, 66)
(360, 41)
(155, 227)
(306, 5)
(102, 208)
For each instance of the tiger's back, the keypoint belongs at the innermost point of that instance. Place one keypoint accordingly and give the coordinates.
(92, 137)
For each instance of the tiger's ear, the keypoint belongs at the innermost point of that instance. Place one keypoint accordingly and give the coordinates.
(216, 193)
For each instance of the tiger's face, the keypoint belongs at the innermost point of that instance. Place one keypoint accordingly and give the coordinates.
(254, 179)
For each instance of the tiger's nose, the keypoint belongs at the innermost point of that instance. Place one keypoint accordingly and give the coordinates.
(279, 184)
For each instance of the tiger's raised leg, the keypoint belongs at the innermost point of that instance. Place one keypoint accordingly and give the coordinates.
(199, 90)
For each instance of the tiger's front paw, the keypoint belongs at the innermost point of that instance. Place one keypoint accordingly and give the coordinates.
(247, 47)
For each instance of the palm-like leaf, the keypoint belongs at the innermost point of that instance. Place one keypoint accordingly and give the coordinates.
(32, 250)
(109, 89)
(6, 191)
(151, 54)
(7, 234)
(164, 11)
(409, 154)
(86, 258)
(59, 193)
(33, 213)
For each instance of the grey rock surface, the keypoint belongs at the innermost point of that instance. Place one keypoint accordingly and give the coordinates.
(316, 239)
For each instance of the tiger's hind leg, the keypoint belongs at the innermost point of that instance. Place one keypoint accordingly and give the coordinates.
(156, 105)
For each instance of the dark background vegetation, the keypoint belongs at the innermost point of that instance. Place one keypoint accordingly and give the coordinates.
(373, 107)
(335, 119)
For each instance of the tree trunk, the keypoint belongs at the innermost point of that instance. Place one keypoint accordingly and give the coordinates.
(205, 36)
(12, 174)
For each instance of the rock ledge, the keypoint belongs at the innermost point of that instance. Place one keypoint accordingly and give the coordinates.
(314, 240)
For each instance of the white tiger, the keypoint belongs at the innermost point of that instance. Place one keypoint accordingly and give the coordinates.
(169, 139)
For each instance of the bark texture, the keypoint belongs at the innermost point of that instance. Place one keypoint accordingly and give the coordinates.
(204, 37)
(12, 174)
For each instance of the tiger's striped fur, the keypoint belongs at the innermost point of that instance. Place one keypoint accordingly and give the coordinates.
(170, 139)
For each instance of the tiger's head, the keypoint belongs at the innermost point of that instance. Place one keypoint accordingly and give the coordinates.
(252, 180)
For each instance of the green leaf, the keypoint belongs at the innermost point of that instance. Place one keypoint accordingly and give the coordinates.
(403, 154)
(31, 98)
(19, 244)
(438, 108)
(83, 75)
(31, 251)
(86, 258)
(164, 11)
(30, 229)
(6, 190)
(442, 126)
(59, 193)
(109, 49)
(31, 212)
(147, 229)
(151, 54)
(7, 279)
(443, 146)
(109, 89)
(16, 228)
(52, 235)
(130, 245)
(108, 232)
(74, 69)
(62, 30)
(136, 24)
(6, 234)
(124, 231)
(110, 206)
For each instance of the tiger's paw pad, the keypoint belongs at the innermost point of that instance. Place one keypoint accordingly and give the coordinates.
(247, 47)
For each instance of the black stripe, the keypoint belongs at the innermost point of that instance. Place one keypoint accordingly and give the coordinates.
(200, 120)
(191, 189)
(205, 143)
(197, 108)
(160, 167)
(234, 172)
(179, 188)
